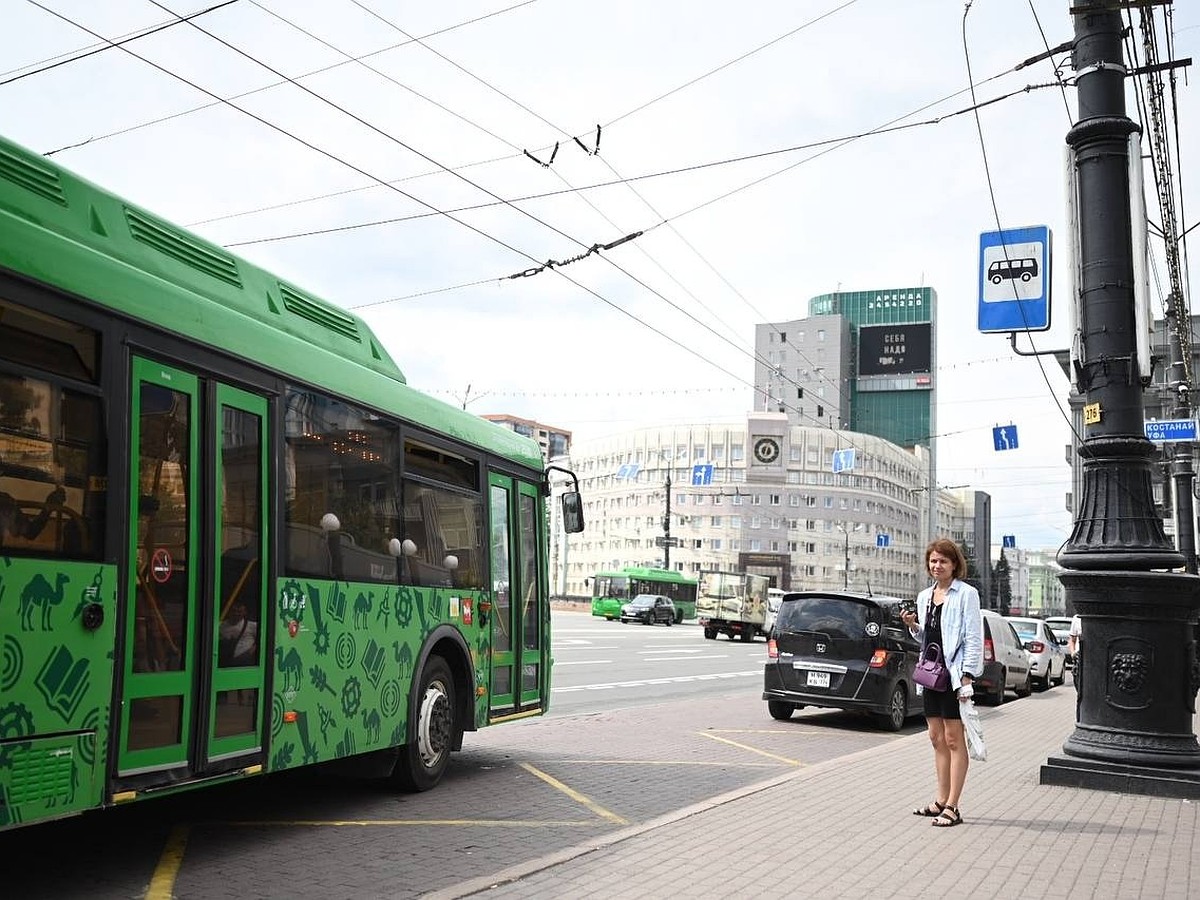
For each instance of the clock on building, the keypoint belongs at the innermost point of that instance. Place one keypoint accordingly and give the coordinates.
(766, 450)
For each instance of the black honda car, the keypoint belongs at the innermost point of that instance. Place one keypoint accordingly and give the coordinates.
(842, 650)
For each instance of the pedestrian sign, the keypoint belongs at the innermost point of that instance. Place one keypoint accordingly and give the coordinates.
(1004, 437)
(702, 474)
(843, 460)
(883, 540)
(1010, 541)
(628, 470)
(1014, 280)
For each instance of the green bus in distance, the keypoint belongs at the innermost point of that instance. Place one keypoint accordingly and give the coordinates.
(611, 590)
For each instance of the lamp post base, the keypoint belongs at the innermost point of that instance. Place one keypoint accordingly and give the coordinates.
(1136, 677)
(1121, 778)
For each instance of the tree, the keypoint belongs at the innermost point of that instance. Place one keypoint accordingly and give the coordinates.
(973, 577)
(1001, 585)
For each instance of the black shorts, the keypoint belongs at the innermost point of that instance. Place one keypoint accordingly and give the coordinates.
(941, 704)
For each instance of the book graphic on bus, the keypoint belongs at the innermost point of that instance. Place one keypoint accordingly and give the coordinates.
(63, 682)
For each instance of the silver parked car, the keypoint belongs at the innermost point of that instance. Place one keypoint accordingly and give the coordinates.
(1005, 662)
(1061, 626)
(1047, 658)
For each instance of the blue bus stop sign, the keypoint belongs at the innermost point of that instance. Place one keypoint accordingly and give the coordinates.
(1014, 280)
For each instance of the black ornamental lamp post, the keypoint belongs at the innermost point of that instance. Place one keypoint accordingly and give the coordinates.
(1136, 674)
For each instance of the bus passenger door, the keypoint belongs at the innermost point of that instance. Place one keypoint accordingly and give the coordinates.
(520, 613)
(188, 700)
(238, 591)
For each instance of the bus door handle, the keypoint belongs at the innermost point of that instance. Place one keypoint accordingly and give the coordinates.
(92, 616)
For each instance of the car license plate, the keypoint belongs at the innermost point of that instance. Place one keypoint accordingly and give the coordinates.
(818, 679)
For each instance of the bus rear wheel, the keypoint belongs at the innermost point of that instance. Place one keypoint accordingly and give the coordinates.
(423, 761)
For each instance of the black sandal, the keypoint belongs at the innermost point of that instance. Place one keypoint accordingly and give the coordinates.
(929, 812)
(947, 818)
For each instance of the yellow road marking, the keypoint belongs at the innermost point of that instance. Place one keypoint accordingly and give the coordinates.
(365, 823)
(162, 883)
(576, 796)
(790, 762)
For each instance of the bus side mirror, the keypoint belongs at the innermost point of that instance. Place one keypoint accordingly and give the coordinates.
(572, 510)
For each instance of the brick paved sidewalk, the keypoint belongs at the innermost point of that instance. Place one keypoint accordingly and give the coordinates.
(845, 829)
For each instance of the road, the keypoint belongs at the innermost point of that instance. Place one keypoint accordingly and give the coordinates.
(646, 721)
(601, 665)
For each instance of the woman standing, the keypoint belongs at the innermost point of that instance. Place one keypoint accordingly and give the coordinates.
(947, 614)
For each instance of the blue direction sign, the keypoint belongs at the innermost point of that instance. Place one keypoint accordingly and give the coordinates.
(1004, 437)
(1014, 279)
(1171, 430)
(1010, 540)
(843, 460)
(883, 540)
(702, 474)
(628, 470)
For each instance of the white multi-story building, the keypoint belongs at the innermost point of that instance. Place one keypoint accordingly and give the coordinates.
(759, 497)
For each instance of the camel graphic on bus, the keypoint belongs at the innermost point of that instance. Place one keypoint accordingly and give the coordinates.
(1025, 268)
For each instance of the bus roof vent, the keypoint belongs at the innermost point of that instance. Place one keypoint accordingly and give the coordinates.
(182, 246)
(324, 314)
(29, 174)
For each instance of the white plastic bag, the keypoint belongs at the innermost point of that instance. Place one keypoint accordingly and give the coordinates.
(973, 728)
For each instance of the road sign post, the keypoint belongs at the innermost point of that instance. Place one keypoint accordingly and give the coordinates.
(843, 460)
(1004, 437)
(1166, 430)
(1014, 280)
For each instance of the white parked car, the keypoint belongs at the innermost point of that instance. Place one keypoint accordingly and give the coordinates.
(1047, 658)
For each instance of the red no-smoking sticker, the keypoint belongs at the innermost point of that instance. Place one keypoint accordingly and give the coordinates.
(160, 565)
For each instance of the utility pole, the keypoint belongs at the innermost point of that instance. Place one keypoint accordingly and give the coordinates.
(667, 526)
(846, 572)
(1182, 475)
(1135, 673)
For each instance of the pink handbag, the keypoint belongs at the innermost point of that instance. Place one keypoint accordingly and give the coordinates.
(931, 670)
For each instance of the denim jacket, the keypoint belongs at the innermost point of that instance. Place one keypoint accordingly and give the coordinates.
(962, 629)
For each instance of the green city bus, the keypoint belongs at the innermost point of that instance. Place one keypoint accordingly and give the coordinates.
(611, 590)
(233, 541)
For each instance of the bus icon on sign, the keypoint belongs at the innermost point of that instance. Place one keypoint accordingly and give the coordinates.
(1024, 269)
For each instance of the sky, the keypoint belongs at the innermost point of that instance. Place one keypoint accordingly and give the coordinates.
(398, 159)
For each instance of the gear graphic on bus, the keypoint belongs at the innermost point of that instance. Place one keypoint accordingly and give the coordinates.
(351, 696)
(15, 721)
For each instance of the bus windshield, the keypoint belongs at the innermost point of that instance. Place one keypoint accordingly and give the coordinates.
(610, 586)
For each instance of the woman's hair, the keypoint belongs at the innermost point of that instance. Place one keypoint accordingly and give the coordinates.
(951, 551)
